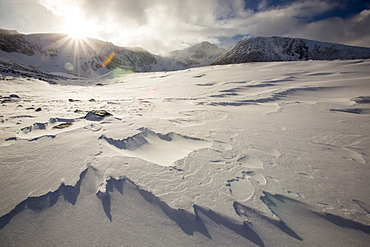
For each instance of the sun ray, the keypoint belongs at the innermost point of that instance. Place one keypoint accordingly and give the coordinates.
(75, 53)
(79, 50)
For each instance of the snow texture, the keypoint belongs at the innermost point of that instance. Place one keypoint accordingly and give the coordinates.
(257, 154)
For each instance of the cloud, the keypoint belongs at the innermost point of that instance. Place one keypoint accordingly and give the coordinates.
(114, 10)
(27, 16)
(163, 25)
(351, 31)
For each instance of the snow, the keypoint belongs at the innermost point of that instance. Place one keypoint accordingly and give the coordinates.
(258, 154)
(147, 145)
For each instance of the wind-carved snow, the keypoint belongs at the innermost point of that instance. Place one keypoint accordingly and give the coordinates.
(259, 154)
(157, 148)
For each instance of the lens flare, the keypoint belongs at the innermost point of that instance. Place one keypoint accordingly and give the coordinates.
(108, 59)
(69, 66)
(118, 72)
(149, 95)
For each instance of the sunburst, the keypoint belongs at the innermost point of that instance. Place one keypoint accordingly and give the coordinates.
(77, 48)
(78, 29)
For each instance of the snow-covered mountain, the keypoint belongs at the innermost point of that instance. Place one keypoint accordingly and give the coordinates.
(35, 54)
(201, 54)
(59, 53)
(54, 56)
(269, 49)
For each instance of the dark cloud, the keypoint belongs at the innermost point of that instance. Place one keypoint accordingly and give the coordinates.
(351, 31)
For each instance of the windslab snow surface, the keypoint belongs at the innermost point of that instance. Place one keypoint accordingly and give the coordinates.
(260, 154)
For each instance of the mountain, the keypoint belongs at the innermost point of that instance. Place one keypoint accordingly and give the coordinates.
(201, 54)
(59, 53)
(53, 56)
(269, 49)
(37, 54)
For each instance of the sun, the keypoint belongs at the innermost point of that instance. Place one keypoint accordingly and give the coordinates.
(75, 22)
(76, 25)
(78, 29)
(76, 33)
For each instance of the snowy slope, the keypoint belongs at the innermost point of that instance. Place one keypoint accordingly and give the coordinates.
(268, 49)
(258, 154)
(201, 54)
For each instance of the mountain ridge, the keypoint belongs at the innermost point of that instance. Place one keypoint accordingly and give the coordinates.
(273, 49)
(57, 54)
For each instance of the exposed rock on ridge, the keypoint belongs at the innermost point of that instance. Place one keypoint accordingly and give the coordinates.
(263, 49)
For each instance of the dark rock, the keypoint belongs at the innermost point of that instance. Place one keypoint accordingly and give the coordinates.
(97, 115)
(101, 113)
(62, 126)
(361, 99)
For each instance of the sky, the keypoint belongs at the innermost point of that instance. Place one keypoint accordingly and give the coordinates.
(160, 26)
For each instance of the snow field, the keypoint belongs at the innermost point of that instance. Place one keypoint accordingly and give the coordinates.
(253, 154)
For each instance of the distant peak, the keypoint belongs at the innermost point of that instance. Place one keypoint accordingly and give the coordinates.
(206, 43)
(203, 45)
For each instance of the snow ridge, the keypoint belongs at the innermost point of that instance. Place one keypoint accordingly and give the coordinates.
(199, 219)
